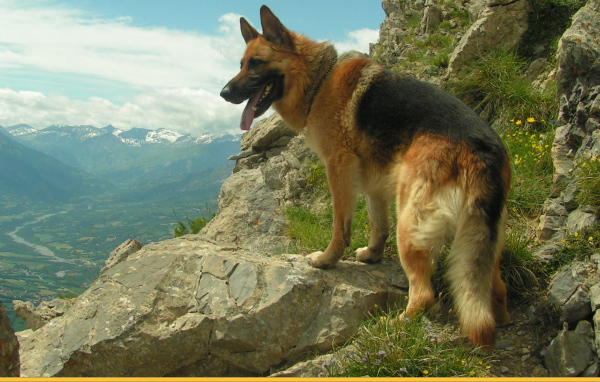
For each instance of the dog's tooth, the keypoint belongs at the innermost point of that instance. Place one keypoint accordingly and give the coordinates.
(254, 108)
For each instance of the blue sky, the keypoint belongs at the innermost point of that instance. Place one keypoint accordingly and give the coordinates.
(147, 63)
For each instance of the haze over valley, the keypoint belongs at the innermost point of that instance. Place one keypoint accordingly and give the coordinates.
(70, 194)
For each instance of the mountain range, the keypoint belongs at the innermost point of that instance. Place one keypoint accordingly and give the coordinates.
(25, 172)
(136, 160)
(126, 158)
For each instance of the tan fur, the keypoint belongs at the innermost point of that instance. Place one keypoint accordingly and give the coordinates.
(435, 180)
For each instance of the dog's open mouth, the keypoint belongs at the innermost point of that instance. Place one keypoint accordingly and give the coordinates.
(261, 101)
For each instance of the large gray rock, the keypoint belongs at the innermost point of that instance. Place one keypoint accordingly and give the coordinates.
(265, 134)
(9, 348)
(248, 215)
(569, 291)
(189, 307)
(501, 25)
(569, 354)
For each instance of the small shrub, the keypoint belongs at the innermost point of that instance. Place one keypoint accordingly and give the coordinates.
(193, 225)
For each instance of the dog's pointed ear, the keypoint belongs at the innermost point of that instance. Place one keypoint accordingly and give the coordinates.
(248, 31)
(273, 29)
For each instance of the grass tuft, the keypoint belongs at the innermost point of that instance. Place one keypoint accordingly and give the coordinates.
(386, 346)
(497, 83)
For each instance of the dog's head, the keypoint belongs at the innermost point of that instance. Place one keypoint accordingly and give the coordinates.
(261, 79)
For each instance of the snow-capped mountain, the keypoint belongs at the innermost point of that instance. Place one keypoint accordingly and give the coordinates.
(130, 156)
(133, 137)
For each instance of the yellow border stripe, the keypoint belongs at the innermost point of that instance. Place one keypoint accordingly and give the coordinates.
(287, 379)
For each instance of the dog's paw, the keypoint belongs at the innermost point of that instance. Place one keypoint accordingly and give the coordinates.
(365, 255)
(321, 260)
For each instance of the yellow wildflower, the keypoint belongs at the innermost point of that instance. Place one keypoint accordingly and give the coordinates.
(519, 122)
(512, 120)
(531, 120)
(591, 238)
(425, 372)
(472, 374)
(576, 234)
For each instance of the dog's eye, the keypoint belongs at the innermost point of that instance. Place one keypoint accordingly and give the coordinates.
(254, 62)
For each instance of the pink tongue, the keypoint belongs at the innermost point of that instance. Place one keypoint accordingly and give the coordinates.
(248, 114)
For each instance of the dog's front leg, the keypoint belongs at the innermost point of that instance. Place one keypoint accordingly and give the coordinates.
(342, 173)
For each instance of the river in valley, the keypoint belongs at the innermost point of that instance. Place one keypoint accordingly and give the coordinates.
(44, 251)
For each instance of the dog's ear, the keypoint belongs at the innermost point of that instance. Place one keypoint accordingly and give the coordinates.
(273, 29)
(248, 31)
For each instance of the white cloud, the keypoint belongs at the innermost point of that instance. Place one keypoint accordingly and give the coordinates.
(358, 40)
(175, 76)
(62, 40)
(185, 110)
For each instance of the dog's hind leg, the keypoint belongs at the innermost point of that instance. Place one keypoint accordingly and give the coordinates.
(342, 172)
(377, 206)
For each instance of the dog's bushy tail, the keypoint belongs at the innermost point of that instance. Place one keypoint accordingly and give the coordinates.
(471, 262)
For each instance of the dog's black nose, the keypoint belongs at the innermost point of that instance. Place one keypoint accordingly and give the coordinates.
(226, 92)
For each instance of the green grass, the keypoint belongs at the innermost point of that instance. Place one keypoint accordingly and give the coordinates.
(529, 146)
(587, 171)
(386, 346)
(497, 83)
(576, 246)
(312, 230)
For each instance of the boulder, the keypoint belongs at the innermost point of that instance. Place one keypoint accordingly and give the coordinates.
(9, 348)
(190, 307)
(265, 134)
(248, 214)
(569, 354)
(500, 25)
(580, 219)
(569, 291)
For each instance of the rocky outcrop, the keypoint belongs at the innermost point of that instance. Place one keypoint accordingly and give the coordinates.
(578, 125)
(190, 307)
(9, 348)
(36, 317)
(269, 174)
(499, 24)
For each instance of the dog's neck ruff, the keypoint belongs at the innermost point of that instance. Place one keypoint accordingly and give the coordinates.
(323, 77)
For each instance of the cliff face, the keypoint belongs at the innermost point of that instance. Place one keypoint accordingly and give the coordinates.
(226, 303)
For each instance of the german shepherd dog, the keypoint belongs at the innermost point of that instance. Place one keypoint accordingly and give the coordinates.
(388, 135)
